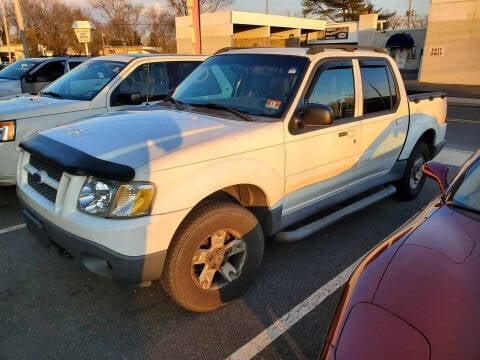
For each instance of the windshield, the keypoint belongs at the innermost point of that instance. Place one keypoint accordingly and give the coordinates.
(253, 84)
(467, 195)
(85, 81)
(18, 69)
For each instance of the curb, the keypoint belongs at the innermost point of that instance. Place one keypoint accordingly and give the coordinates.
(459, 101)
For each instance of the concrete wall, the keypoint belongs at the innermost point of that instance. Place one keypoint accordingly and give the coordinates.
(217, 31)
(414, 56)
(244, 29)
(452, 45)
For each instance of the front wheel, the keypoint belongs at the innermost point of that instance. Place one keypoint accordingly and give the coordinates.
(214, 257)
(412, 181)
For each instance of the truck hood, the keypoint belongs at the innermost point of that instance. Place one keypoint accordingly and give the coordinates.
(134, 138)
(34, 106)
(9, 87)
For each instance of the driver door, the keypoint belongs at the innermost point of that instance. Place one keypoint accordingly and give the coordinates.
(319, 159)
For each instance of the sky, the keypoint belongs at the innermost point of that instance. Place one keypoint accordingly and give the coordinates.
(293, 7)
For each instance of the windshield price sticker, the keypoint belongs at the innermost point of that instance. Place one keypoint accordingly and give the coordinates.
(273, 104)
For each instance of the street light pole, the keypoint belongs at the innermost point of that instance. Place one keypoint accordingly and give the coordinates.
(21, 28)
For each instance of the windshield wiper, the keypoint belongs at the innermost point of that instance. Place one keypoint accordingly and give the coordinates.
(462, 207)
(178, 104)
(52, 94)
(223, 107)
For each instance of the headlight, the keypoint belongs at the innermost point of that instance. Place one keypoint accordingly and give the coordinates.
(7, 131)
(114, 199)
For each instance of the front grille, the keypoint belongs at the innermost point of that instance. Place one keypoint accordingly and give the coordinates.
(52, 171)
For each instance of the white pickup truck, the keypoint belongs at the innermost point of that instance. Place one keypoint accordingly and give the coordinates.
(100, 85)
(251, 142)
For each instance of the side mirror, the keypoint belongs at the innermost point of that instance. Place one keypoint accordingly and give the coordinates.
(316, 115)
(437, 172)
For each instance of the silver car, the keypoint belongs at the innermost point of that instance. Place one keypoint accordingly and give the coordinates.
(33, 74)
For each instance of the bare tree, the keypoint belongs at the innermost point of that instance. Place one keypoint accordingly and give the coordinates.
(161, 28)
(49, 23)
(122, 19)
(180, 8)
(401, 22)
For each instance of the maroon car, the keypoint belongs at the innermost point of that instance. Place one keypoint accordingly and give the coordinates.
(417, 294)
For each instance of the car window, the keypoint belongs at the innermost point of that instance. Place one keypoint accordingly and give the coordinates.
(253, 84)
(378, 86)
(149, 80)
(73, 64)
(333, 86)
(468, 193)
(88, 79)
(49, 72)
(179, 70)
(18, 69)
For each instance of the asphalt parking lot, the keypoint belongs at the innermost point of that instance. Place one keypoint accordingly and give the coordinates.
(51, 309)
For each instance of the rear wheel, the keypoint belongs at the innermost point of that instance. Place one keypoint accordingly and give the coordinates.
(412, 181)
(214, 256)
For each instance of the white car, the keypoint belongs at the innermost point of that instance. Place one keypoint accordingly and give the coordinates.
(251, 142)
(101, 85)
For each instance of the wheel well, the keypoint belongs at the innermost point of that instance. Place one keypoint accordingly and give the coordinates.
(428, 137)
(247, 195)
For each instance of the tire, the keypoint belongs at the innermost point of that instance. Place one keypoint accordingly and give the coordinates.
(196, 252)
(413, 179)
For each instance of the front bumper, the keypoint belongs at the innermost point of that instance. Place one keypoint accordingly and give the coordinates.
(94, 257)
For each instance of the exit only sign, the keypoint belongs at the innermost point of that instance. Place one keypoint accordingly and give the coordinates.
(436, 51)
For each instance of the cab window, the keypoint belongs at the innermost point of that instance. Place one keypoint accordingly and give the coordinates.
(334, 86)
(378, 86)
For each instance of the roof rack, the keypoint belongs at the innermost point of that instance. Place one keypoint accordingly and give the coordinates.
(228, 48)
(318, 48)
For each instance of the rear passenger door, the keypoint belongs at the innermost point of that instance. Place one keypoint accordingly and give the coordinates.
(384, 118)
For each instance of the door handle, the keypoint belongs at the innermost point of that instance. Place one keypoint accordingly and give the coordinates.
(350, 133)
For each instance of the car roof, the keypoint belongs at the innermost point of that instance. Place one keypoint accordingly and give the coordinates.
(308, 52)
(167, 57)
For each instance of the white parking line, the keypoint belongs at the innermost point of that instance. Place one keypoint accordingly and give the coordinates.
(12, 228)
(266, 337)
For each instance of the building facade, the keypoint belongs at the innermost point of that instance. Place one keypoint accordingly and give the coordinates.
(452, 45)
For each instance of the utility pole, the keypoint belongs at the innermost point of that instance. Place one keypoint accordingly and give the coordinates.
(7, 32)
(21, 28)
(194, 11)
(266, 7)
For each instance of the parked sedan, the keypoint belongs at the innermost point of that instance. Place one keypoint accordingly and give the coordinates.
(33, 74)
(417, 294)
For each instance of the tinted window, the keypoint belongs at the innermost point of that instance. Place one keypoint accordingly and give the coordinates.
(150, 80)
(379, 91)
(18, 69)
(180, 70)
(50, 71)
(334, 86)
(73, 64)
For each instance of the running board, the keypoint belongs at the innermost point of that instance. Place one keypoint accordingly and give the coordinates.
(309, 229)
